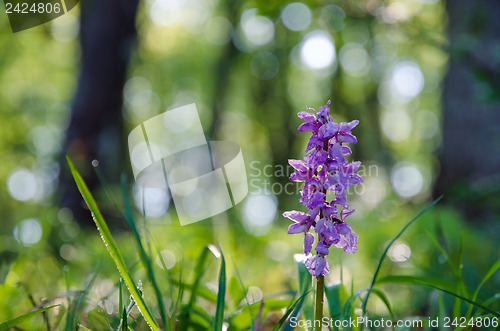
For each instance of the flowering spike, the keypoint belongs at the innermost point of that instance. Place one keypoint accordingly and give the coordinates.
(325, 168)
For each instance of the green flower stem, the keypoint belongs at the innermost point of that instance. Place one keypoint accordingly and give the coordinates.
(320, 295)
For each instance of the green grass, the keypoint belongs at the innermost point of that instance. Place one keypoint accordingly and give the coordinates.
(194, 305)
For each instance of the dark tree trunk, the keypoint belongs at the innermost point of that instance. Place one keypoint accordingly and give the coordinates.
(95, 130)
(470, 154)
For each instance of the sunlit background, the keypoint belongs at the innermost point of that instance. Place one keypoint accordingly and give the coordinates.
(249, 66)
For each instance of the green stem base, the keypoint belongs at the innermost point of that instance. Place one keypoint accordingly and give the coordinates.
(320, 294)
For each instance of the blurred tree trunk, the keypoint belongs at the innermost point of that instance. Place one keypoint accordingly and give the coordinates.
(470, 154)
(107, 35)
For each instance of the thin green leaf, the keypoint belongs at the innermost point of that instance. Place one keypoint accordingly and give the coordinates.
(333, 296)
(493, 299)
(442, 250)
(295, 307)
(442, 310)
(120, 295)
(490, 273)
(112, 248)
(384, 299)
(365, 301)
(244, 291)
(144, 256)
(349, 303)
(124, 323)
(198, 273)
(460, 282)
(442, 289)
(305, 281)
(464, 299)
(221, 295)
(13, 322)
(83, 328)
(415, 280)
(72, 319)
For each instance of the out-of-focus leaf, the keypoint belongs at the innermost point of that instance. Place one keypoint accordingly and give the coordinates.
(112, 248)
(13, 322)
(365, 301)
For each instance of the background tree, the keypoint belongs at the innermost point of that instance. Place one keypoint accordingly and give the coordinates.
(470, 151)
(95, 131)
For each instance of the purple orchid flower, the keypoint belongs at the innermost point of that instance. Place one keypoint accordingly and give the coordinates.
(323, 169)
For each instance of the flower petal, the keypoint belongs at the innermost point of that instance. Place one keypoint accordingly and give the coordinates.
(294, 215)
(307, 116)
(313, 142)
(346, 150)
(351, 167)
(352, 124)
(346, 212)
(347, 138)
(296, 228)
(327, 130)
(298, 164)
(306, 127)
(308, 242)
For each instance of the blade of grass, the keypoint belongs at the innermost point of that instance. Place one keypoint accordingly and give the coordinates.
(245, 291)
(112, 248)
(365, 301)
(442, 310)
(332, 293)
(120, 297)
(442, 250)
(477, 304)
(384, 299)
(72, 317)
(425, 284)
(490, 273)
(129, 217)
(198, 273)
(295, 308)
(495, 299)
(221, 294)
(415, 280)
(13, 322)
(124, 323)
(460, 281)
(305, 281)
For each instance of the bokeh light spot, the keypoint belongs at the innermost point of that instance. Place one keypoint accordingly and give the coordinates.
(28, 232)
(396, 125)
(354, 59)
(258, 213)
(407, 180)
(318, 50)
(296, 16)
(259, 30)
(407, 80)
(399, 251)
(154, 201)
(22, 185)
(65, 28)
